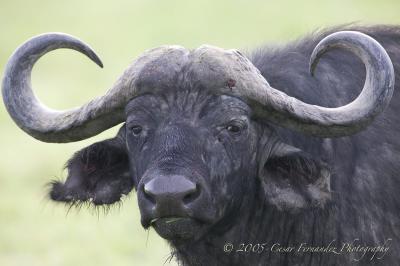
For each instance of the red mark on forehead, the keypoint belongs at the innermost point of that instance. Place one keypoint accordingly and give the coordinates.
(231, 83)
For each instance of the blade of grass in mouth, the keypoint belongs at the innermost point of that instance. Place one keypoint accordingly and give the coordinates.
(167, 220)
(173, 219)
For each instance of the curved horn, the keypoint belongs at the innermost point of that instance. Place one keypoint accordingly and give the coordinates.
(51, 125)
(345, 120)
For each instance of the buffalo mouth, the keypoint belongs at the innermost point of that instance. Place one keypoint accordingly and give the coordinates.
(177, 228)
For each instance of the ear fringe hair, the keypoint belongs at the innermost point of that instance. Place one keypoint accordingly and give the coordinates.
(78, 204)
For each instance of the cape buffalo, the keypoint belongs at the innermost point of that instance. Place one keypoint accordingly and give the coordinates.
(257, 159)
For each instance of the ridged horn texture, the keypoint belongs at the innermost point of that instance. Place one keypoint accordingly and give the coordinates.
(210, 66)
(36, 119)
(74, 124)
(341, 121)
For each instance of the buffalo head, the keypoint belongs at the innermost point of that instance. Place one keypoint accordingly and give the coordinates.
(196, 143)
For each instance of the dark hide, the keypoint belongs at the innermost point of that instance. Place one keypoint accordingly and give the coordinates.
(258, 183)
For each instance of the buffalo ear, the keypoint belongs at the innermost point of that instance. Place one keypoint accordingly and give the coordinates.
(97, 174)
(293, 180)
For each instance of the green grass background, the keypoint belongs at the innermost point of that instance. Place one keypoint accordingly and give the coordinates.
(34, 231)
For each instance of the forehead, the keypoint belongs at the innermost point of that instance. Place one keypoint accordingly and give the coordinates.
(189, 101)
(207, 67)
(172, 77)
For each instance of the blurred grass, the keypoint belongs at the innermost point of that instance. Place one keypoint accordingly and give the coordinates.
(34, 231)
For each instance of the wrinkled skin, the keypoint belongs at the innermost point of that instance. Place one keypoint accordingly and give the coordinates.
(196, 141)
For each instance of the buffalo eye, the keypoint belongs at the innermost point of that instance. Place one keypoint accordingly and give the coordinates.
(235, 127)
(135, 130)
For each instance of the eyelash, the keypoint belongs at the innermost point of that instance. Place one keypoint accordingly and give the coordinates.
(136, 130)
(235, 126)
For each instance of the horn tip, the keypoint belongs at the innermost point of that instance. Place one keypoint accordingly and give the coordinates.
(93, 56)
(97, 60)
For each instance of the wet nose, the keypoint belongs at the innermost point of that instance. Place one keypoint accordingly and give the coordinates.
(172, 191)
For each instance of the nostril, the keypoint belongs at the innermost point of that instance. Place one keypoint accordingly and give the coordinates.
(191, 195)
(170, 190)
(147, 194)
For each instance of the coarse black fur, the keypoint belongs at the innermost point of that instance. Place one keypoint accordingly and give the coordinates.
(261, 184)
(97, 174)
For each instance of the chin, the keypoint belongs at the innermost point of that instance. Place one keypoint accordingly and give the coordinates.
(179, 229)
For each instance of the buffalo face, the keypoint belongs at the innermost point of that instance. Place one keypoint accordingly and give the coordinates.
(194, 165)
(191, 163)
